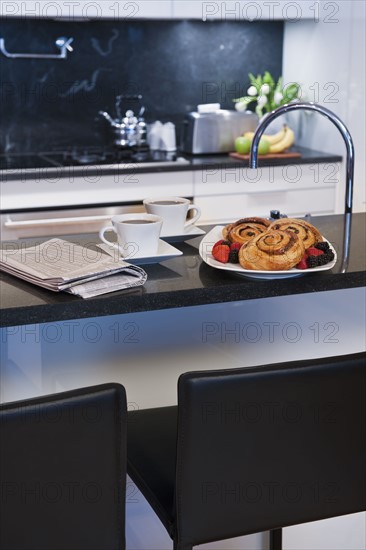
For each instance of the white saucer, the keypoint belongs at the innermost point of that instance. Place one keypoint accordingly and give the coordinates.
(165, 252)
(216, 234)
(189, 233)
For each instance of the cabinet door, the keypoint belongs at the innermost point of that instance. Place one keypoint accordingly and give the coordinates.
(316, 10)
(229, 193)
(152, 9)
(247, 10)
(76, 9)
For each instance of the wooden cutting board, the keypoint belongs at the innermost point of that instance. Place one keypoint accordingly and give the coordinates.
(288, 155)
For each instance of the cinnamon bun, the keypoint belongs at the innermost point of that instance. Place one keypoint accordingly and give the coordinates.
(307, 232)
(273, 250)
(245, 229)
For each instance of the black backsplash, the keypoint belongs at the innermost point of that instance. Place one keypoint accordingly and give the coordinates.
(175, 65)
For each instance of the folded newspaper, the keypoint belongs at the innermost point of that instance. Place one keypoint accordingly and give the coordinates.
(84, 270)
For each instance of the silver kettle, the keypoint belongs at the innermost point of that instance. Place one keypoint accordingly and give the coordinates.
(119, 130)
(129, 131)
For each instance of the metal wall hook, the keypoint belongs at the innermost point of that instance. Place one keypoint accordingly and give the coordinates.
(62, 43)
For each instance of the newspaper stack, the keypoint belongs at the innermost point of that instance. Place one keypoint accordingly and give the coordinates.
(58, 265)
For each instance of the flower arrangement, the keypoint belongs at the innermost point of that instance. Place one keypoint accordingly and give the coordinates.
(267, 93)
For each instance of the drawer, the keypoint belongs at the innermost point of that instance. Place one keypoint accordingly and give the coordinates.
(228, 180)
(60, 222)
(292, 203)
(96, 189)
(220, 209)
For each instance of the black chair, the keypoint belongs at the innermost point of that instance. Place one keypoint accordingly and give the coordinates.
(63, 471)
(254, 449)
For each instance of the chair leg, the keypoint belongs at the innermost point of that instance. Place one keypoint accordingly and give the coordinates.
(181, 546)
(275, 539)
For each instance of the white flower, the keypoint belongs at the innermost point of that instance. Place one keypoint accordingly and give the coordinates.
(278, 97)
(240, 106)
(265, 89)
(252, 91)
(262, 100)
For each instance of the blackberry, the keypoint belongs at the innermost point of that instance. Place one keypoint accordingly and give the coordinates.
(313, 261)
(322, 259)
(234, 256)
(326, 258)
(324, 246)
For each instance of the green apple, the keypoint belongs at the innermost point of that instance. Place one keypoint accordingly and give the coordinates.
(242, 145)
(263, 147)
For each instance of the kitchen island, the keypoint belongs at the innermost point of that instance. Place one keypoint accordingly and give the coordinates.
(185, 281)
(188, 316)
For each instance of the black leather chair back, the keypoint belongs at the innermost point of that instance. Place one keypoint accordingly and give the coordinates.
(63, 471)
(267, 447)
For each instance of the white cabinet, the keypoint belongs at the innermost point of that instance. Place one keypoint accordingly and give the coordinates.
(227, 194)
(245, 10)
(151, 9)
(85, 188)
(223, 194)
(88, 9)
(80, 203)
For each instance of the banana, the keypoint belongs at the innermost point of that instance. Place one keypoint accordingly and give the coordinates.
(285, 143)
(271, 138)
(280, 141)
(275, 138)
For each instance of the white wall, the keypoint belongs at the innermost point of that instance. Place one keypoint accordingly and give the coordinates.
(328, 58)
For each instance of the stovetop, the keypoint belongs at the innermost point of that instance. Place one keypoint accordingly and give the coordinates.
(86, 156)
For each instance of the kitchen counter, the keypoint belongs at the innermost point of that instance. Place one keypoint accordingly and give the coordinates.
(186, 281)
(308, 156)
(24, 167)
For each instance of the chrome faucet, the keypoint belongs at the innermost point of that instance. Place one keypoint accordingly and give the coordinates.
(350, 161)
(253, 161)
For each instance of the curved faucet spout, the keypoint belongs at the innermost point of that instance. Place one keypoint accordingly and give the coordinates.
(253, 162)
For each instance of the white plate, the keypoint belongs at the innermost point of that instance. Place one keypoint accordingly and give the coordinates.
(189, 233)
(216, 234)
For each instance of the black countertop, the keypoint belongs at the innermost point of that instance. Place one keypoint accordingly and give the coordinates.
(186, 281)
(308, 156)
(27, 167)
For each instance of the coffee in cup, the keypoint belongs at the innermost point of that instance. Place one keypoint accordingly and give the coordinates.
(137, 234)
(173, 211)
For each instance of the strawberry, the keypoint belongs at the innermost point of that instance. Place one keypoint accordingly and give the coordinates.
(221, 253)
(314, 251)
(221, 242)
(303, 263)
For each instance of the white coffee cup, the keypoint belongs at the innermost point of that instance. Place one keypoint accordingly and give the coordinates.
(173, 211)
(137, 234)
